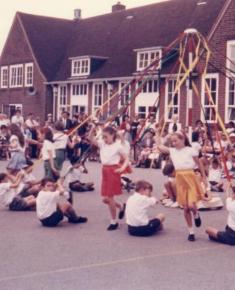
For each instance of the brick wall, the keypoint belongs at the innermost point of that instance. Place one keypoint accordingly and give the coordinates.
(17, 51)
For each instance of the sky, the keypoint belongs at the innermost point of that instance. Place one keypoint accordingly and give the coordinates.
(57, 8)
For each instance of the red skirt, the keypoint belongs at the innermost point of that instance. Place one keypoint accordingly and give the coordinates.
(111, 181)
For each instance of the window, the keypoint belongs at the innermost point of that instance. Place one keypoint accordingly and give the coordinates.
(209, 109)
(63, 100)
(4, 77)
(145, 58)
(98, 96)
(230, 83)
(150, 87)
(29, 74)
(144, 112)
(172, 100)
(80, 67)
(16, 76)
(79, 90)
(125, 96)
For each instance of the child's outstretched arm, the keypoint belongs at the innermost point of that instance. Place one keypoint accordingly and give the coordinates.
(17, 181)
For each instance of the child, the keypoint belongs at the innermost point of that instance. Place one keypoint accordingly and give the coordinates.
(189, 190)
(170, 196)
(48, 155)
(111, 153)
(73, 177)
(227, 236)
(50, 210)
(8, 194)
(137, 208)
(215, 175)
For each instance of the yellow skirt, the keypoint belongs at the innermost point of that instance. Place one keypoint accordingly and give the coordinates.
(188, 187)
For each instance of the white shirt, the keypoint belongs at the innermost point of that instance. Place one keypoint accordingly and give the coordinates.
(110, 153)
(31, 123)
(17, 120)
(60, 140)
(47, 146)
(137, 209)
(46, 203)
(197, 147)
(215, 175)
(7, 193)
(15, 143)
(72, 175)
(230, 204)
(183, 158)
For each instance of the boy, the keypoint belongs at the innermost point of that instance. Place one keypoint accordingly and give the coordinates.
(9, 197)
(73, 176)
(137, 208)
(227, 236)
(50, 210)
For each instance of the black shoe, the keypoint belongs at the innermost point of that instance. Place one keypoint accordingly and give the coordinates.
(198, 221)
(191, 237)
(122, 212)
(78, 220)
(112, 227)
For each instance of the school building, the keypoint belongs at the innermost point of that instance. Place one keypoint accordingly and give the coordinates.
(49, 65)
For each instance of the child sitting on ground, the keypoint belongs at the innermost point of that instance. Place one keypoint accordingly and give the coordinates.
(9, 194)
(51, 209)
(73, 176)
(137, 207)
(227, 236)
(170, 194)
(215, 175)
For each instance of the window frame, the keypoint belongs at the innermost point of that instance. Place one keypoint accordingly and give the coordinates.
(203, 94)
(95, 107)
(230, 43)
(167, 106)
(79, 89)
(4, 68)
(63, 95)
(81, 67)
(26, 83)
(148, 60)
(17, 67)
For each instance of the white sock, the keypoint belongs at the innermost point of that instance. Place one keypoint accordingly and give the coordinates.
(196, 215)
(191, 231)
(113, 222)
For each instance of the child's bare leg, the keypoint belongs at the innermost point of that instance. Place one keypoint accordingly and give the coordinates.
(188, 216)
(31, 200)
(112, 206)
(161, 217)
(212, 232)
(65, 207)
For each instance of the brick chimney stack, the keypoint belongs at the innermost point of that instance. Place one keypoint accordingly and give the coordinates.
(118, 7)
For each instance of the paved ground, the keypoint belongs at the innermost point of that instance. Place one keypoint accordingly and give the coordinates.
(87, 257)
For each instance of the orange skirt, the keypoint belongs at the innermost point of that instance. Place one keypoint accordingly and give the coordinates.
(111, 181)
(188, 187)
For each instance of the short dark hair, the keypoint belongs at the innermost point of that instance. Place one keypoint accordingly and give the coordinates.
(142, 185)
(3, 127)
(46, 180)
(111, 131)
(47, 132)
(2, 176)
(168, 169)
(59, 126)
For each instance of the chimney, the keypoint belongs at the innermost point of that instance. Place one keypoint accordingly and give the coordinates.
(77, 14)
(118, 7)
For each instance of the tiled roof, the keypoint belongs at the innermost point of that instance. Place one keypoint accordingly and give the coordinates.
(115, 35)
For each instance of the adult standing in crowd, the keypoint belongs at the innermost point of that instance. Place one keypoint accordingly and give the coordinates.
(18, 119)
(174, 125)
(67, 123)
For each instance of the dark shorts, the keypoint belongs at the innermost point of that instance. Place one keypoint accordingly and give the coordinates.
(226, 237)
(54, 219)
(145, 231)
(19, 204)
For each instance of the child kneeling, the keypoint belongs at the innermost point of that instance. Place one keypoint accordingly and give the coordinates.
(137, 208)
(50, 210)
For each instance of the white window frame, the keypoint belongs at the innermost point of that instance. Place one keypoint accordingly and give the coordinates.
(231, 75)
(95, 107)
(148, 58)
(167, 105)
(204, 97)
(84, 70)
(63, 99)
(79, 89)
(125, 95)
(28, 75)
(3, 80)
(16, 84)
